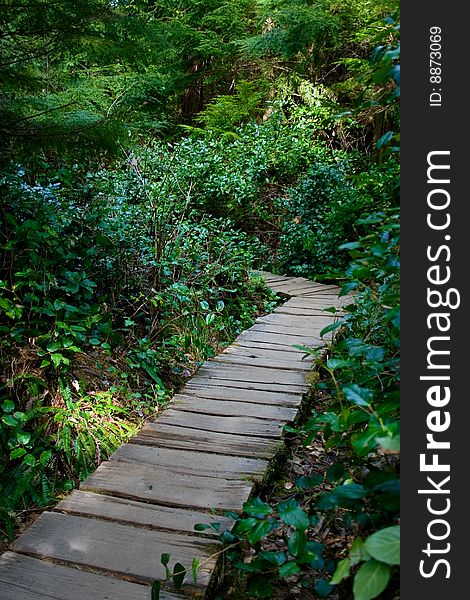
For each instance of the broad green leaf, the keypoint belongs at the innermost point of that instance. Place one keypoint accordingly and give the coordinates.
(153, 374)
(45, 457)
(257, 508)
(23, 437)
(309, 481)
(17, 453)
(259, 531)
(384, 545)
(29, 460)
(275, 558)
(330, 327)
(357, 395)
(297, 542)
(8, 406)
(342, 571)
(348, 287)
(370, 580)
(391, 443)
(58, 358)
(9, 420)
(363, 443)
(337, 363)
(204, 305)
(210, 318)
(350, 246)
(335, 472)
(244, 525)
(292, 514)
(289, 568)
(323, 587)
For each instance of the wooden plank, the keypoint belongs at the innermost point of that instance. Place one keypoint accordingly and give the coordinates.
(243, 342)
(250, 426)
(230, 408)
(296, 288)
(187, 438)
(327, 289)
(27, 578)
(313, 331)
(290, 388)
(327, 295)
(190, 462)
(270, 353)
(312, 302)
(139, 513)
(161, 486)
(300, 322)
(258, 397)
(292, 280)
(276, 339)
(305, 311)
(250, 373)
(261, 361)
(125, 551)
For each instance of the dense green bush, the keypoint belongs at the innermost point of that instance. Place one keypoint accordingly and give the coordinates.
(320, 214)
(110, 294)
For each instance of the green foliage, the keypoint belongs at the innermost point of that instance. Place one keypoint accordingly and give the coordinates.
(112, 290)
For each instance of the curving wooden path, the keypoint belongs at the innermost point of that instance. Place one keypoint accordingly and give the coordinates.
(206, 451)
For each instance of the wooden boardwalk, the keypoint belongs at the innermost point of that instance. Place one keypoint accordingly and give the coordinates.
(206, 451)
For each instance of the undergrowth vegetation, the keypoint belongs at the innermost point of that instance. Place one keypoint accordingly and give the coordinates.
(152, 159)
(111, 294)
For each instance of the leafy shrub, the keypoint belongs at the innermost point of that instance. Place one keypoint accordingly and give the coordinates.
(111, 292)
(320, 214)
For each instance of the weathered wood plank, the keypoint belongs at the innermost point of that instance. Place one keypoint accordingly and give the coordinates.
(291, 280)
(27, 578)
(139, 482)
(309, 331)
(229, 408)
(190, 462)
(311, 302)
(139, 513)
(250, 374)
(250, 426)
(253, 343)
(289, 388)
(305, 323)
(122, 550)
(242, 395)
(187, 438)
(304, 311)
(298, 288)
(269, 353)
(327, 289)
(244, 359)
